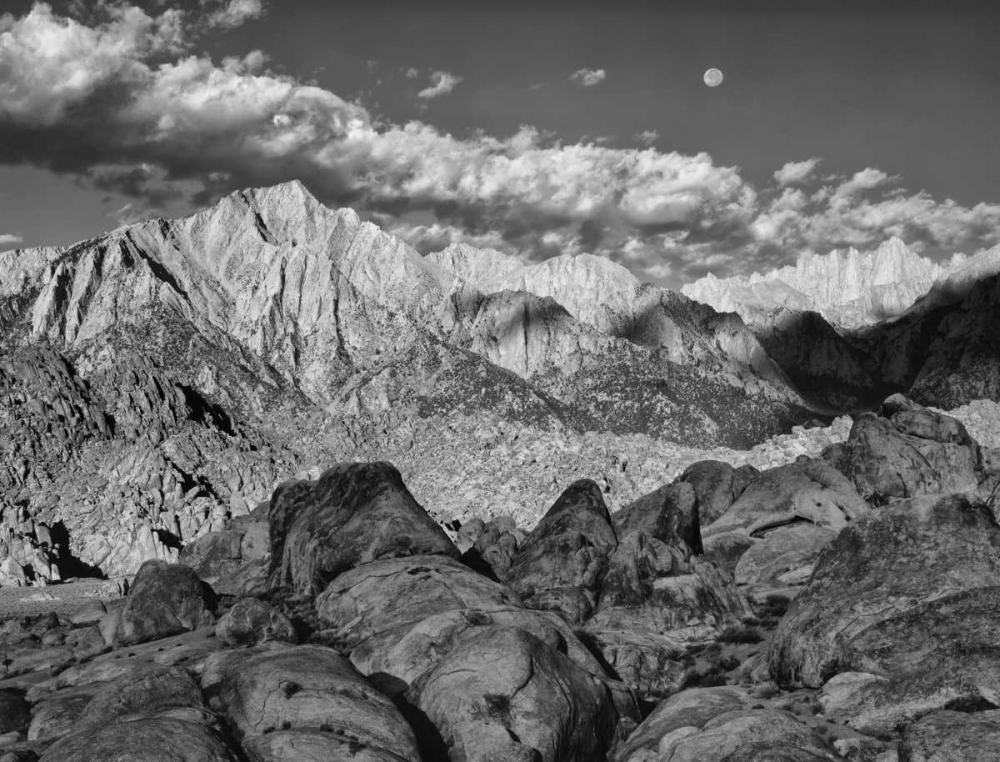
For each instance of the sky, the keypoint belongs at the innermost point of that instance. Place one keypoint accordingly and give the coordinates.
(536, 128)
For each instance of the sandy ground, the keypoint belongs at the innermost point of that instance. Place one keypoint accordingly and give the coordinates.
(64, 599)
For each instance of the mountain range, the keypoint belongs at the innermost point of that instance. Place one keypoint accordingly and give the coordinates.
(158, 378)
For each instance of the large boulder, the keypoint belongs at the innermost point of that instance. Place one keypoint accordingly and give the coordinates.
(900, 559)
(945, 735)
(143, 740)
(561, 563)
(354, 514)
(742, 734)
(134, 715)
(656, 597)
(943, 654)
(165, 599)
(503, 694)
(250, 621)
(783, 555)
(214, 554)
(371, 605)
(911, 451)
(322, 707)
(716, 485)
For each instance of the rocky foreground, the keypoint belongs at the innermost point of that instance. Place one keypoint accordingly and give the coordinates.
(835, 607)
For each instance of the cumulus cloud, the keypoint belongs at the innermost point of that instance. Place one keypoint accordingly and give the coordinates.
(795, 172)
(442, 83)
(10, 239)
(648, 137)
(122, 100)
(588, 77)
(234, 13)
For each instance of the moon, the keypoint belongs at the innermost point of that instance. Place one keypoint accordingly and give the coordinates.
(713, 77)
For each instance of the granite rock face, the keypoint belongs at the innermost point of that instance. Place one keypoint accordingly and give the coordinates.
(354, 514)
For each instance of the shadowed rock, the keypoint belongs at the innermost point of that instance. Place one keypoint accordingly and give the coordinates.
(898, 560)
(354, 514)
(164, 599)
(503, 694)
(316, 699)
(561, 563)
(251, 621)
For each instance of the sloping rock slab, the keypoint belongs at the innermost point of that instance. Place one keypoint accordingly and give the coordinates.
(897, 560)
(941, 736)
(503, 694)
(183, 740)
(354, 514)
(560, 564)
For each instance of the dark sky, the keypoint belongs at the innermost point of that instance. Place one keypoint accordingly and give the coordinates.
(897, 103)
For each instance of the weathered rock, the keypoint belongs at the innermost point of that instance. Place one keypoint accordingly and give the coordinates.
(691, 708)
(561, 563)
(738, 735)
(373, 604)
(214, 555)
(915, 452)
(945, 736)
(356, 513)
(183, 740)
(250, 621)
(503, 694)
(669, 514)
(807, 490)
(493, 550)
(943, 654)
(716, 486)
(144, 693)
(164, 599)
(317, 698)
(900, 559)
(786, 554)
(56, 716)
(15, 714)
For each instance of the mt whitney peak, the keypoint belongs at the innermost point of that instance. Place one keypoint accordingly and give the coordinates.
(849, 288)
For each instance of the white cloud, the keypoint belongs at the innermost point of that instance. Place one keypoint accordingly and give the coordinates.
(588, 77)
(795, 172)
(10, 239)
(234, 13)
(442, 83)
(648, 137)
(411, 73)
(122, 101)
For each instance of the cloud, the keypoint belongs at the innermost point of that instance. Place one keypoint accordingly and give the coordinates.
(234, 13)
(795, 172)
(411, 73)
(442, 83)
(121, 100)
(10, 239)
(648, 137)
(588, 77)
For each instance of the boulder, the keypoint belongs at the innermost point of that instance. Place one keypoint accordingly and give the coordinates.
(669, 514)
(145, 692)
(808, 490)
(250, 621)
(373, 603)
(317, 699)
(492, 551)
(944, 654)
(898, 560)
(214, 555)
(354, 514)
(691, 708)
(913, 452)
(786, 554)
(15, 714)
(741, 734)
(561, 563)
(716, 485)
(164, 599)
(143, 740)
(942, 736)
(55, 716)
(503, 694)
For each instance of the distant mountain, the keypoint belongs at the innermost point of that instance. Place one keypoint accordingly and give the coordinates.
(187, 361)
(849, 289)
